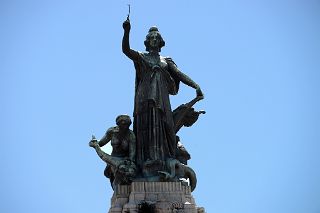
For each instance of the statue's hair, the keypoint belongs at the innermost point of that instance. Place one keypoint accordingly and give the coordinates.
(125, 118)
(147, 41)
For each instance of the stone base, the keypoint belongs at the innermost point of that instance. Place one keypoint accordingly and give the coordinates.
(161, 197)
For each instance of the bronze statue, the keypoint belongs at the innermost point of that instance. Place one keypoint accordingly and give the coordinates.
(185, 115)
(157, 77)
(152, 151)
(123, 140)
(178, 170)
(121, 164)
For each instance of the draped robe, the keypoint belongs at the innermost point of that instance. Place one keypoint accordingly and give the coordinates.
(153, 118)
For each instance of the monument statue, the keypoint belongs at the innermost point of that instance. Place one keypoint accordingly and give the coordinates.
(157, 77)
(151, 154)
(121, 166)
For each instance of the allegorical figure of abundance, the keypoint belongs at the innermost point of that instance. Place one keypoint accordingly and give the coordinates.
(157, 77)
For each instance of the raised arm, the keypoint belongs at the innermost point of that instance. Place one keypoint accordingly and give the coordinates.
(106, 138)
(184, 78)
(132, 54)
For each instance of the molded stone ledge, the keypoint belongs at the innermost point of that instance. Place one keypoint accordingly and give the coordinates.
(166, 197)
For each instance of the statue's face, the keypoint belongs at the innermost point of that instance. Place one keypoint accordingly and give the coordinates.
(123, 124)
(154, 40)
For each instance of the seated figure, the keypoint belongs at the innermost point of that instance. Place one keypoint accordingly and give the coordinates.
(121, 164)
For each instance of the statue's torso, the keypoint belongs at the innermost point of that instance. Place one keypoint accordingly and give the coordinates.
(154, 60)
(120, 144)
(153, 84)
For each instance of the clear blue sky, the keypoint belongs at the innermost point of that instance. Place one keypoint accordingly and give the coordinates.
(63, 78)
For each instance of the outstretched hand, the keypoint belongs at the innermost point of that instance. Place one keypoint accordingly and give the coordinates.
(94, 142)
(126, 25)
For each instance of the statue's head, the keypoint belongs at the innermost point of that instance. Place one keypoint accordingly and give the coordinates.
(154, 40)
(123, 121)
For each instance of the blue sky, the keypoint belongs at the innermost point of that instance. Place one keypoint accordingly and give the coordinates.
(64, 78)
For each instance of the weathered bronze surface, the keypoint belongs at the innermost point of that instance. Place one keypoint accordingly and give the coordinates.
(121, 168)
(152, 152)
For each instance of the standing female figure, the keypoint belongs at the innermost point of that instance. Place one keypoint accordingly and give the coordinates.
(156, 78)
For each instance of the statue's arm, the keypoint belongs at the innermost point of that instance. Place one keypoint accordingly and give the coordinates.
(106, 138)
(132, 54)
(101, 153)
(184, 78)
(104, 156)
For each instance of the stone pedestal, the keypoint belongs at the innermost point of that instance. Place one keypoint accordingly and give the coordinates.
(162, 197)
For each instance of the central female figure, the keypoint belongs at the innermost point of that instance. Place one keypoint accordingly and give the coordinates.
(156, 78)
